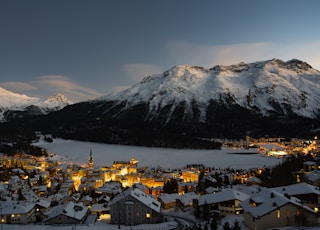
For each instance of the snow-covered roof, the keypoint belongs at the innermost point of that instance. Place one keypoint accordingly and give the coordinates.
(110, 188)
(70, 209)
(187, 198)
(15, 208)
(224, 195)
(44, 203)
(140, 196)
(99, 208)
(211, 189)
(297, 189)
(266, 201)
(254, 180)
(313, 175)
(86, 198)
(310, 163)
(30, 195)
(168, 198)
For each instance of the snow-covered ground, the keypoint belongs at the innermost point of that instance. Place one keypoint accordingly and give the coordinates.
(96, 226)
(105, 154)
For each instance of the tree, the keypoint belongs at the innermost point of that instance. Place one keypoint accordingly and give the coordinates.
(226, 226)
(170, 186)
(226, 180)
(236, 225)
(214, 224)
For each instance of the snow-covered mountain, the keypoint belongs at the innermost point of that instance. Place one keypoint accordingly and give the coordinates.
(16, 105)
(186, 106)
(268, 88)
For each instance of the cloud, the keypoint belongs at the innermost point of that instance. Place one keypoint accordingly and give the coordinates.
(46, 86)
(18, 86)
(137, 72)
(183, 52)
(61, 84)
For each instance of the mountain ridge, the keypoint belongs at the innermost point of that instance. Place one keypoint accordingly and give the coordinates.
(187, 106)
(13, 105)
(265, 87)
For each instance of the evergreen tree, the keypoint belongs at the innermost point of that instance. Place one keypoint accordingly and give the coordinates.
(226, 226)
(236, 225)
(214, 224)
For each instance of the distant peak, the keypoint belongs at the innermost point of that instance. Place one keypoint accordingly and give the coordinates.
(59, 98)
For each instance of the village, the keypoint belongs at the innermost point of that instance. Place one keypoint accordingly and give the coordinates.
(40, 190)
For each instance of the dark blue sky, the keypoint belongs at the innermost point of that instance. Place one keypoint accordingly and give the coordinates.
(85, 49)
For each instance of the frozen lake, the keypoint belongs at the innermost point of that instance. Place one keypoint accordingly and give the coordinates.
(106, 154)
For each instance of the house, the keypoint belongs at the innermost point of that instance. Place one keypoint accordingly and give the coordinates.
(269, 209)
(17, 213)
(253, 181)
(185, 201)
(225, 202)
(307, 193)
(312, 178)
(109, 188)
(41, 207)
(309, 166)
(168, 200)
(100, 209)
(68, 213)
(185, 187)
(133, 207)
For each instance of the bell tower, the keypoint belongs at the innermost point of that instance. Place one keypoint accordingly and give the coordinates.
(90, 164)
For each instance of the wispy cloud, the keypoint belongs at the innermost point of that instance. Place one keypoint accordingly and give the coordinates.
(64, 85)
(18, 86)
(138, 71)
(184, 52)
(45, 86)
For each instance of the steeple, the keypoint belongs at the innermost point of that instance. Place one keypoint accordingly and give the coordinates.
(90, 164)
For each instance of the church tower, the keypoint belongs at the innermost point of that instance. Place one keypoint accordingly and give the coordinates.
(90, 164)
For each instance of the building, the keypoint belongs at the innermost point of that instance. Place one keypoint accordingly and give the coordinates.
(133, 207)
(269, 209)
(18, 213)
(225, 202)
(90, 163)
(312, 178)
(185, 201)
(68, 213)
(306, 193)
(168, 200)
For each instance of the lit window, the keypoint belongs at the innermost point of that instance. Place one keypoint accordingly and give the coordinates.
(278, 213)
(148, 215)
(316, 209)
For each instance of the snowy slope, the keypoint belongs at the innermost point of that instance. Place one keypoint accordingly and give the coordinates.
(265, 87)
(54, 103)
(19, 102)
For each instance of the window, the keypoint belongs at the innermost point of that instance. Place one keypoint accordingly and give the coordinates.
(278, 213)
